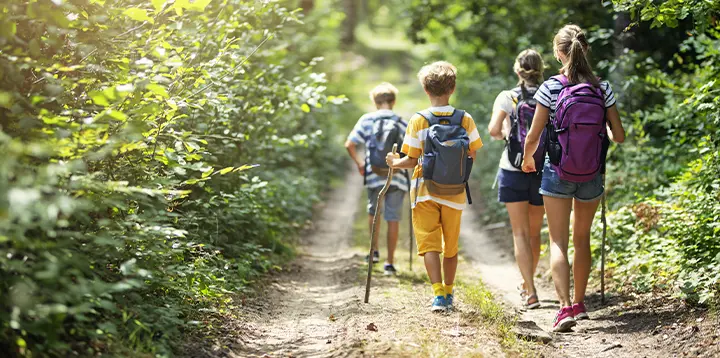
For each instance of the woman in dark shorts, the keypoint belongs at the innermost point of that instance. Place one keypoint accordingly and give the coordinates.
(520, 191)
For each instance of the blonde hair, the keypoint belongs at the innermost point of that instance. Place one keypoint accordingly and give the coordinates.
(529, 66)
(383, 93)
(438, 78)
(572, 42)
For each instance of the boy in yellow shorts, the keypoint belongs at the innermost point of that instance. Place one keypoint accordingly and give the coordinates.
(446, 139)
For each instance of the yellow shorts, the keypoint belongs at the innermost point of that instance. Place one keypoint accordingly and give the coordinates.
(437, 228)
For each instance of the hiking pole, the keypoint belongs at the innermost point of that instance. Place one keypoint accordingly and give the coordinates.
(374, 227)
(602, 249)
(412, 233)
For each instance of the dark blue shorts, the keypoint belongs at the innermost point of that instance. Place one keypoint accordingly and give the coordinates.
(515, 187)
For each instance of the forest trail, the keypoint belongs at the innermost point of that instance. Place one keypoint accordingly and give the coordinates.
(314, 308)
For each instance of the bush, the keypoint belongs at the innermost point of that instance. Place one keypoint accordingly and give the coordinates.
(157, 158)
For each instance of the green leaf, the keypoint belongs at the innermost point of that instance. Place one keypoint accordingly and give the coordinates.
(158, 90)
(226, 170)
(138, 15)
(99, 98)
(116, 115)
(305, 108)
(246, 167)
(158, 4)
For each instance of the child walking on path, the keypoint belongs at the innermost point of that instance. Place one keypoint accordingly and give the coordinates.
(446, 139)
(511, 119)
(582, 114)
(378, 131)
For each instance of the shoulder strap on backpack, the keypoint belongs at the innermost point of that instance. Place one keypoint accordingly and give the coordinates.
(562, 79)
(457, 117)
(429, 116)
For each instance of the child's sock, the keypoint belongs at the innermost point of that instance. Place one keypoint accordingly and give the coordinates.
(438, 289)
(448, 289)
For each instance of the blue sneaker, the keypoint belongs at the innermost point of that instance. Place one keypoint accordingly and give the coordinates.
(439, 304)
(449, 302)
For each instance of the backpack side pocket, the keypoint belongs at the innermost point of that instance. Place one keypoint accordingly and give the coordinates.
(428, 165)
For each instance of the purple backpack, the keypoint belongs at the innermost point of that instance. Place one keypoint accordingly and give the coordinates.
(577, 131)
(521, 121)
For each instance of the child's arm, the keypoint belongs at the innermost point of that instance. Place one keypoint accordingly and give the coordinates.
(351, 149)
(496, 124)
(617, 132)
(394, 161)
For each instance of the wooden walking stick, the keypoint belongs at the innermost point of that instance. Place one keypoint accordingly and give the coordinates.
(374, 226)
(412, 233)
(602, 248)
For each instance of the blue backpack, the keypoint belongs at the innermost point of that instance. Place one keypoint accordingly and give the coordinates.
(446, 162)
(385, 133)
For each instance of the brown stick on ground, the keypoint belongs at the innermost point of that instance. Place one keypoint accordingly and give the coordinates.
(378, 208)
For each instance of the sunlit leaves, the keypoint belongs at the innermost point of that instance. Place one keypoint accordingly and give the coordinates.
(158, 4)
(130, 193)
(138, 15)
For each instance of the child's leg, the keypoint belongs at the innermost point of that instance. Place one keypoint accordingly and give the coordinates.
(537, 212)
(393, 213)
(371, 207)
(558, 216)
(392, 239)
(583, 216)
(428, 233)
(450, 219)
(520, 222)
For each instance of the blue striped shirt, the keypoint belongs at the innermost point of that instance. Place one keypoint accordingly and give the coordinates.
(548, 92)
(360, 135)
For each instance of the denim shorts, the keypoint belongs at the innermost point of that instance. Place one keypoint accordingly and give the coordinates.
(516, 187)
(393, 202)
(555, 187)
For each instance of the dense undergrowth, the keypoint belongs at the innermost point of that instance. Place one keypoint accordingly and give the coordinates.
(663, 60)
(157, 156)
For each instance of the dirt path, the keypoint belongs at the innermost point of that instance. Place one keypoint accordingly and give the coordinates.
(626, 327)
(315, 309)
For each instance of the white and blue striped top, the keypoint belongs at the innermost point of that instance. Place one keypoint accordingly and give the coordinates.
(361, 133)
(548, 92)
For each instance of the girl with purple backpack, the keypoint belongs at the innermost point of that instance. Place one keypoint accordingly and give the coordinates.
(580, 114)
(512, 115)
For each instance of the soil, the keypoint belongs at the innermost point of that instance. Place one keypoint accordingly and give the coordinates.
(314, 307)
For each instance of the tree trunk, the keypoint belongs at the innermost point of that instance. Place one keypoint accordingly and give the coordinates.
(350, 22)
(307, 6)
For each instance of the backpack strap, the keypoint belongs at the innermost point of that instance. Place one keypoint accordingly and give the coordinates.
(562, 79)
(429, 116)
(457, 117)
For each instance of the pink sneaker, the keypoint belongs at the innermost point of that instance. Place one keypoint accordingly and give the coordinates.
(564, 320)
(579, 311)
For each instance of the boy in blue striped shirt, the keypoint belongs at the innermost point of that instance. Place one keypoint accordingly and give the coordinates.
(383, 96)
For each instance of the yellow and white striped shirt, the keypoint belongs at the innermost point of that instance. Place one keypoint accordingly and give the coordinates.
(413, 146)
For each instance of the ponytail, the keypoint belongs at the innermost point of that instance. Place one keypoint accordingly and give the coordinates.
(571, 41)
(529, 67)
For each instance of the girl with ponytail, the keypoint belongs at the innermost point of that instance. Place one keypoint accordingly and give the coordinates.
(512, 114)
(582, 112)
